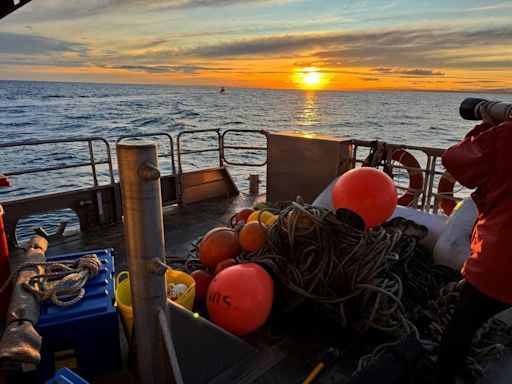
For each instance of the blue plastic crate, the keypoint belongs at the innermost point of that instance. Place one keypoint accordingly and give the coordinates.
(98, 300)
(66, 376)
(84, 336)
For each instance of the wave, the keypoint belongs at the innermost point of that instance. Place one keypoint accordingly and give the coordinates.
(15, 124)
(46, 97)
(437, 129)
(17, 109)
(185, 114)
(142, 122)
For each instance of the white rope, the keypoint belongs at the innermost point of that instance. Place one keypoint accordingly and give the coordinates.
(60, 280)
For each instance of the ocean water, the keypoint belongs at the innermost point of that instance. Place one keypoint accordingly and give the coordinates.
(53, 110)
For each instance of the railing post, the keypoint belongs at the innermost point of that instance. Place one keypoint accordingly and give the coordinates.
(254, 184)
(93, 163)
(142, 206)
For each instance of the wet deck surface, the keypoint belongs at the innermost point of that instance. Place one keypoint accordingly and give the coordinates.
(288, 347)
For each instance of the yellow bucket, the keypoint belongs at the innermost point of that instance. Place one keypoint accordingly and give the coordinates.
(124, 295)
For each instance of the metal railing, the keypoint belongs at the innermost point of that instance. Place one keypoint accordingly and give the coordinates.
(155, 134)
(92, 161)
(243, 148)
(428, 197)
(202, 150)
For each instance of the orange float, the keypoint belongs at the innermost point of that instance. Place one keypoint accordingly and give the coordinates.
(415, 175)
(445, 188)
(368, 192)
(252, 236)
(217, 245)
(240, 298)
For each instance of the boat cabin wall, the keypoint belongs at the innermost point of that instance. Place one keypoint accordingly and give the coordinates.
(304, 164)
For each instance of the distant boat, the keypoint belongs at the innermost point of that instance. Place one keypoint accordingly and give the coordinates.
(222, 90)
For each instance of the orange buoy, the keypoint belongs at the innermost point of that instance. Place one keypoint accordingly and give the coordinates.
(252, 236)
(368, 192)
(217, 245)
(240, 298)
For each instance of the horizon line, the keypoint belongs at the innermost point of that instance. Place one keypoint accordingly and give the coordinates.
(491, 91)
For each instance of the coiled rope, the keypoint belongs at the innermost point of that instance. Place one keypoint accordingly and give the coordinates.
(347, 272)
(61, 282)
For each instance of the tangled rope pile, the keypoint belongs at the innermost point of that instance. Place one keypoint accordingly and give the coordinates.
(350, 274)
(379, 279)
(61, 282)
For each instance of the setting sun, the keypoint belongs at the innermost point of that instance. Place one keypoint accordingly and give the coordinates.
(310, 78)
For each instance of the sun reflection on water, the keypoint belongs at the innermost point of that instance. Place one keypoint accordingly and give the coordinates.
(309, 115)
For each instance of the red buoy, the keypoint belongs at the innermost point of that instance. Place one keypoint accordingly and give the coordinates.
(368, 192)
(202, 278)
(240, 298)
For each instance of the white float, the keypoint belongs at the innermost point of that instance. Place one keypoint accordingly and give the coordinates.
(453, 246)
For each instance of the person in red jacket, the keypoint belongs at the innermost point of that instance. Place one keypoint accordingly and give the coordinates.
(483, 160)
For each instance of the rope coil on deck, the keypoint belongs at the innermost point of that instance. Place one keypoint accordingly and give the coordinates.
(345, 271)
(61, 282)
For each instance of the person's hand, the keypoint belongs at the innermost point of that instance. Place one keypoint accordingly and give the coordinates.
(486, 117)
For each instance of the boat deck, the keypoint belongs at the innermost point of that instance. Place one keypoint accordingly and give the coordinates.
(288, 347)
(182, 225)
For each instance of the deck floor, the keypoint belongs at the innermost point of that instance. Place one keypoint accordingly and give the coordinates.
(182, 225)
(289, 347)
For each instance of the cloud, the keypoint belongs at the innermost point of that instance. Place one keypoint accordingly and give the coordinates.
(70, 9)
(187, 69)
(401, 48)
(414, 72)
(369, 79)
(491, 7)
(266, 45)
(419, 52)
(24, 44)
(205, 3)
(477, 81)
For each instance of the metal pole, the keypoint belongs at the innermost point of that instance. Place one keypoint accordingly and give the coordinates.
(142, 207)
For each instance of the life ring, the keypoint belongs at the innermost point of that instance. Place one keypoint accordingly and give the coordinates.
(445, 188)
(415, 175)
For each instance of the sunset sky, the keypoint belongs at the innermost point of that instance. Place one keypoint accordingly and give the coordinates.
(304, 44)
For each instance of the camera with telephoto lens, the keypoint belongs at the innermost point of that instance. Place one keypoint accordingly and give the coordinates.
(500, 111)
